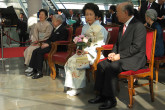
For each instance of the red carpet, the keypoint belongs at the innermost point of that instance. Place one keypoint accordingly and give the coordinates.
(12, 52)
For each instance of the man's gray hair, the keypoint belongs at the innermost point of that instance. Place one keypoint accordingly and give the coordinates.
(151, 13)
(58, 17)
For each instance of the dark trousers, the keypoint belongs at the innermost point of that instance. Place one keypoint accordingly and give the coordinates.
(106, 77)
(37, 58)
(22, 38)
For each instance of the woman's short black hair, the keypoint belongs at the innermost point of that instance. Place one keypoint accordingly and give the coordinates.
(91, 6)
(43, 10)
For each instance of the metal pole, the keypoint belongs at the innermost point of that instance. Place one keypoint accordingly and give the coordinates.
(1, 45)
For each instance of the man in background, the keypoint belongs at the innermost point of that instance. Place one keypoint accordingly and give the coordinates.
(161, 15)
(63, 16)
(21, 29)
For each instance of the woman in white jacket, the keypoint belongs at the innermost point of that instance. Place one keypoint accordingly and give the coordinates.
(75, 67)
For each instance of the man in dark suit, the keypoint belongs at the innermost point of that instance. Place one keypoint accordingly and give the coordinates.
(58, 34)
(112, 14)
(161, 15)
(127, 54)
(150, 4)
(21, 29)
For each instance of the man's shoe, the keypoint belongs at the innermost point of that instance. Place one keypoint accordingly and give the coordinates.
(38, 75)
(107, 105)
(135, 82)
(98, 99)
(30, 74)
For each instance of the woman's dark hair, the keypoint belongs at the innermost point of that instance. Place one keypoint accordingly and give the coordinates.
(43, 10)
(91, 6)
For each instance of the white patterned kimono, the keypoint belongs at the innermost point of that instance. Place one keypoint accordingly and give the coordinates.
(77, 78)
(41, 32)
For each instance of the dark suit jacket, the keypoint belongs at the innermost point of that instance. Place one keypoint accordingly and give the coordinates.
(113, 17)
(61, 34)
(162, 13)
(22, 25)
(132, 46)
(143, 10)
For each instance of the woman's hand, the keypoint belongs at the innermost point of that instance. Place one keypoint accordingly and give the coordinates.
(79, 52)
(44, 45)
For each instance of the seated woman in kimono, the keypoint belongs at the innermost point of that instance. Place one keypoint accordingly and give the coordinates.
(151, 17)
(41, 32)
(75, 74)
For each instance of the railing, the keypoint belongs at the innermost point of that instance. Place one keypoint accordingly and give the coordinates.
(54, 4)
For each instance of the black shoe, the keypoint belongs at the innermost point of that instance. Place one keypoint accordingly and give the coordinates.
(125, 81)
(30, 74)
(135, 83)
(108, 104)
(38, 75)
(98, 99)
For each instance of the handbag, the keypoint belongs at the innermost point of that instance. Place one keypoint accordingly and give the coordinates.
(82, 62)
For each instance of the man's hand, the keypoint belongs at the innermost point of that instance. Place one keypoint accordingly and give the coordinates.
(160, 18)
(111, 55)
(116, 57)
(44, 45)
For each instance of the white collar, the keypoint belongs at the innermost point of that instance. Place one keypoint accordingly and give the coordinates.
(149, 3)
(126, 24)
(58, 26)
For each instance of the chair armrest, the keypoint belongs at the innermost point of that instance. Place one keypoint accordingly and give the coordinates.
(60, 43)
(99, 49)
(54, 46)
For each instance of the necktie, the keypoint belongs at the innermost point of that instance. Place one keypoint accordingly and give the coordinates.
(149, 5)
(124, 28)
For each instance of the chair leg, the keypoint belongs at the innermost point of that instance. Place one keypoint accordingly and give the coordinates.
(52, 68)
(151, 88)
(130, 91)
(156, 71)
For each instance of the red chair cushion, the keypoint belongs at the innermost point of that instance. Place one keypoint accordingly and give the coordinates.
(60, 56)
(130, 72)
(110, 46)
(102, 59)
(160, 58)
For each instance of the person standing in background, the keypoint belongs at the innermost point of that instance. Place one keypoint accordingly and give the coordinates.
(150, 4)
(111, 17)
(161, 15)
(21, 29)
(63, 17)
(50, 17)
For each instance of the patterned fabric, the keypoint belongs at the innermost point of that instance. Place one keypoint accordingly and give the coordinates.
(77, 78)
